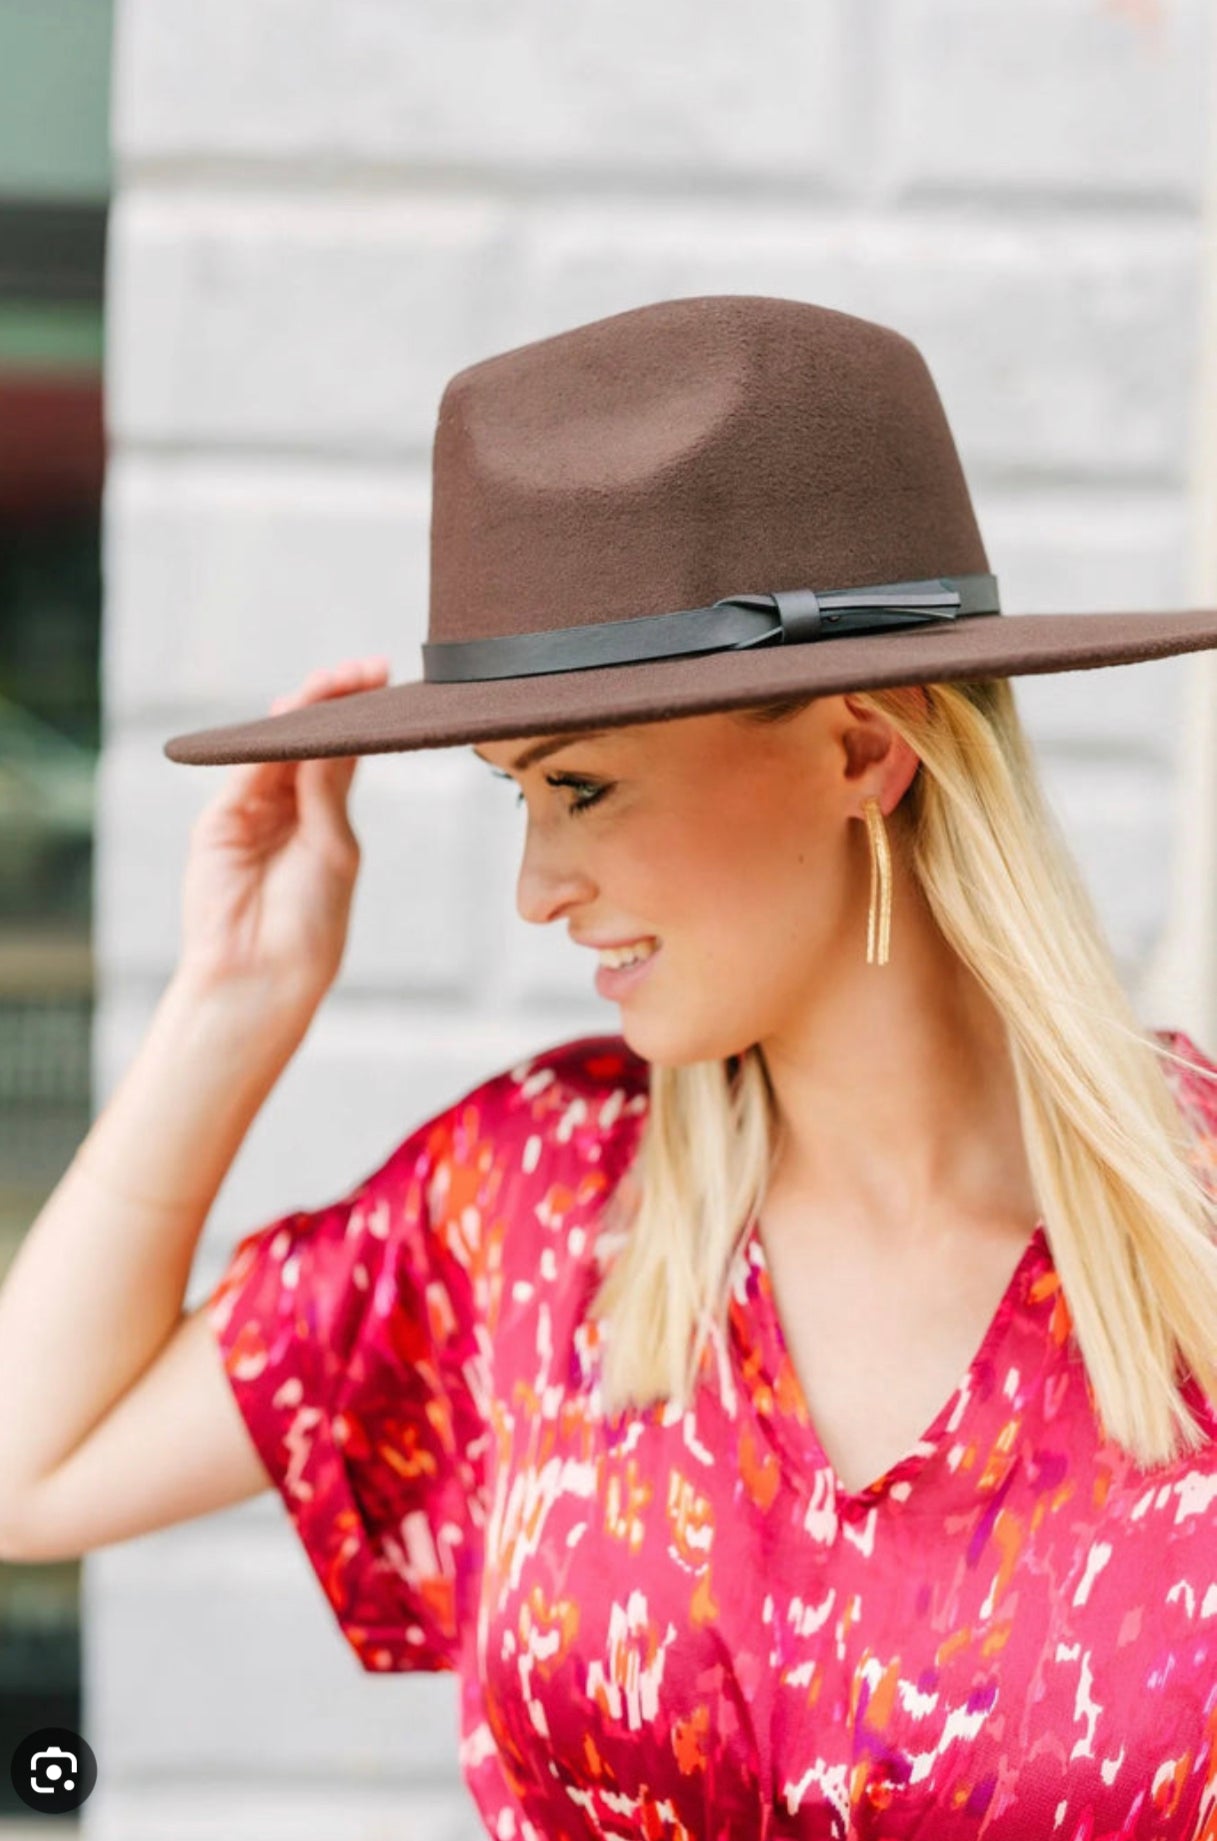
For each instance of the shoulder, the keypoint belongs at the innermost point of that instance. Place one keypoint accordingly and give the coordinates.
(576, 1103)
(588, 1079)
(521, 1165)
(1192, 1078)
(576, 1098)
(422, 1240)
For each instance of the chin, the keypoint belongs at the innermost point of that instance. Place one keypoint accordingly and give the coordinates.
(672, 1046)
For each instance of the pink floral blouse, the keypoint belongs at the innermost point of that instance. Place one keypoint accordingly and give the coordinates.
(679, 1624)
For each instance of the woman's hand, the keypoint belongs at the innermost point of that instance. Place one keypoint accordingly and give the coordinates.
(266, 896)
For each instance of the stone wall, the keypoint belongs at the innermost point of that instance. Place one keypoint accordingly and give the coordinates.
(324, 209)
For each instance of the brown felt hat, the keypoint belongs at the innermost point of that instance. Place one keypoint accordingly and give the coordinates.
(691, 506)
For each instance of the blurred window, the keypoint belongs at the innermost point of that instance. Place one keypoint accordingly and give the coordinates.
(54, 187)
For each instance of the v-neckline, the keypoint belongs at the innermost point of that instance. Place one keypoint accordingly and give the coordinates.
(772, 1370)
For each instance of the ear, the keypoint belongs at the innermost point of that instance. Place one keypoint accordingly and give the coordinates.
(875, 755)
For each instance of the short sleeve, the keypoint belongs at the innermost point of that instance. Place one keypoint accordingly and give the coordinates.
(353, 1339)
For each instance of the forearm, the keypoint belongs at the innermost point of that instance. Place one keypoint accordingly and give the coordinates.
(98, 1281)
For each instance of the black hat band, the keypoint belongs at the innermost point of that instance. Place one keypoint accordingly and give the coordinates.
(735, 623)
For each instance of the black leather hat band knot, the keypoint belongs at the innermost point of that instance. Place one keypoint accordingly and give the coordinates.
(791, 616)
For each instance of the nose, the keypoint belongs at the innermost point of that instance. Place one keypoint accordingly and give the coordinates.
(550, 879)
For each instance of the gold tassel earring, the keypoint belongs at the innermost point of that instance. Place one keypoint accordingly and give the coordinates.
(879, 920)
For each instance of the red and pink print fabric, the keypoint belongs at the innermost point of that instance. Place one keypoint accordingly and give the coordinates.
(678, 1625)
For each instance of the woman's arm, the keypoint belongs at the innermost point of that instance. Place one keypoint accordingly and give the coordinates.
(113, 1408)
(96, 1360)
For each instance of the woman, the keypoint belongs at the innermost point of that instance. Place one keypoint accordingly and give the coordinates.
(792, 1415)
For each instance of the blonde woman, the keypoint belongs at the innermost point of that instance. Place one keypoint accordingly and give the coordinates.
(793, 1414)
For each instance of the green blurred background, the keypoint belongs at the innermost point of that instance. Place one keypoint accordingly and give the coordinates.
(54, 189)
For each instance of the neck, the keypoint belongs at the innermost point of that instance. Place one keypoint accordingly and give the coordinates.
(897, 1097)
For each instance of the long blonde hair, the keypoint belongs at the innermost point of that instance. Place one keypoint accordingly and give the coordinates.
(1129, 1219)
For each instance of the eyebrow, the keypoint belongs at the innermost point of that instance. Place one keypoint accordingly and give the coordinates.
(540, 750)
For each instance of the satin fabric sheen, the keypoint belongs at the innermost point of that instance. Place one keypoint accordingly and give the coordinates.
(679, 1625)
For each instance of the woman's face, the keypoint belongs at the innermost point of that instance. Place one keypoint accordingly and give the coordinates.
(729, 844)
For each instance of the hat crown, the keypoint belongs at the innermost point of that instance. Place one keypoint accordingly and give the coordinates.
(647, 517)
(677, 453)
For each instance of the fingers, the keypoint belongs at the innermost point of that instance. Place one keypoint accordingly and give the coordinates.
(266, 778)
(335, 772)
(322, 784)
(335, 681)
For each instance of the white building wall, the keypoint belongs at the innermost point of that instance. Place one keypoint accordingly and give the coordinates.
(323, 209)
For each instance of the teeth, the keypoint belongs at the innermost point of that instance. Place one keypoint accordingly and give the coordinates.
(626, 955)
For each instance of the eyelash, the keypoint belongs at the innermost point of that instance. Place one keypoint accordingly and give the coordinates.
(595, 794)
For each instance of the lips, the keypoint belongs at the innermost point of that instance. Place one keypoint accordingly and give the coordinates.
(619, 981)
(639, 939)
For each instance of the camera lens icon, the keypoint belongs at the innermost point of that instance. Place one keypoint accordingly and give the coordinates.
(47, 1771)
(53, 1770)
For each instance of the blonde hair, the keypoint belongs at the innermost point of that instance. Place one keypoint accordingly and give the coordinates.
(1129, 1219)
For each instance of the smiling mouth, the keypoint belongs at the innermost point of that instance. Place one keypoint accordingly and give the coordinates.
(616, 956)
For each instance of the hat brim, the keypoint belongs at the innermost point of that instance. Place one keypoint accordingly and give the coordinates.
(402, 717)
